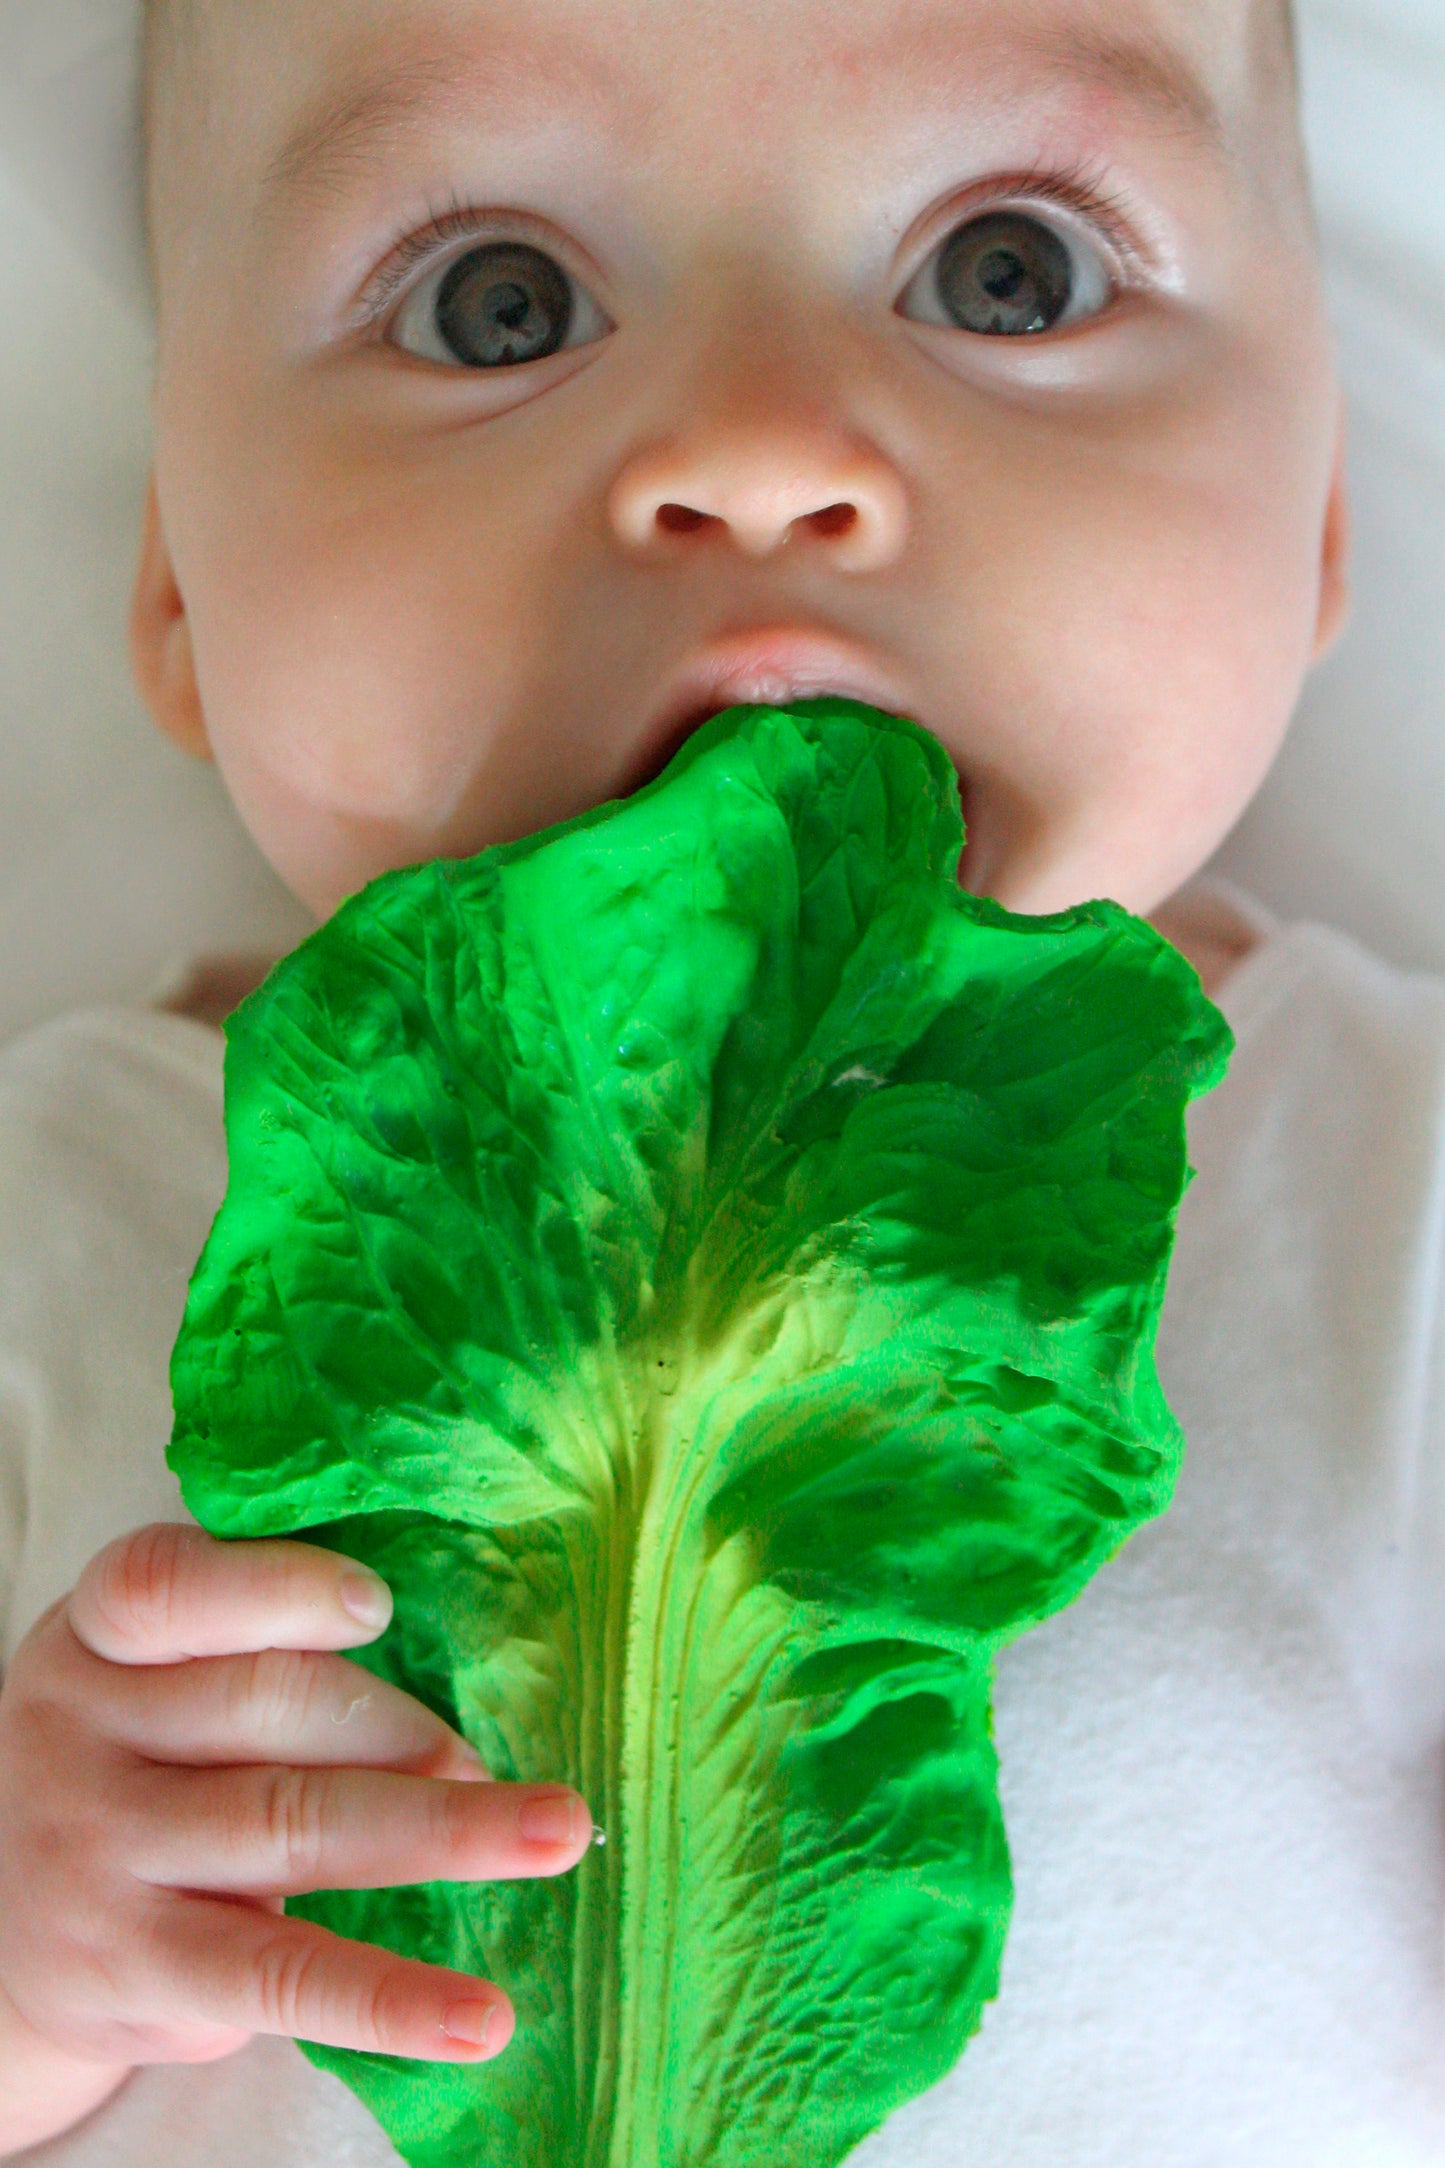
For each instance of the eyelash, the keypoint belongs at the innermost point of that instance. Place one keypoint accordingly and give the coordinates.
(457, 221)
(1078, 188)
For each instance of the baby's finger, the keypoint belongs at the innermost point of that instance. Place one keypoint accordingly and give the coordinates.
(170, 1592)
(267, 1832)
(278, 1705)
(231, 1965)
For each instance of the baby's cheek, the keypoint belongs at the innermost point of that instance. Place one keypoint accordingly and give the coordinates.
(347, 721)
(1131, 673)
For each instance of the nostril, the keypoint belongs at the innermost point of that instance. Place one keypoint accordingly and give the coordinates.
(681, 518)
(831, 519)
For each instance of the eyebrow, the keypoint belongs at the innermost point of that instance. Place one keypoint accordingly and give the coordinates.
(349, 129)
(1145, 70)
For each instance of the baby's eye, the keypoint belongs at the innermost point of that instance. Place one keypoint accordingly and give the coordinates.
(1012, 274)
(499, 304)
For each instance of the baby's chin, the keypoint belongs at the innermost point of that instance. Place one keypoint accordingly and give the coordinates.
(1035, 869)
(1127, 847)
(1214, 939)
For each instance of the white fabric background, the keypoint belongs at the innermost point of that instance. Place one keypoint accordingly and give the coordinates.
(117, 854)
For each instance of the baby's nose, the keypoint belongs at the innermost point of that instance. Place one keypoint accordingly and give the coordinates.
(756, 492)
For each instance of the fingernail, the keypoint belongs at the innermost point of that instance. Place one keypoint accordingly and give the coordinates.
(473, 2023)
(469, 1762)
(366, 1596)
(554, 1818)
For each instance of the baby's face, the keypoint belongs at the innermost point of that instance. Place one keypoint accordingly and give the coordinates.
(525, 362)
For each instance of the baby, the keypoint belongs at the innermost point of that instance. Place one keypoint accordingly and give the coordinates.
(535, 378)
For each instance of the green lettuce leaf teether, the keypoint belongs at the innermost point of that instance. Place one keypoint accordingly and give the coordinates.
(710, 1265)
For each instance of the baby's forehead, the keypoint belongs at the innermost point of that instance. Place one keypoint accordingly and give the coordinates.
(304, 80)
(1220, 40)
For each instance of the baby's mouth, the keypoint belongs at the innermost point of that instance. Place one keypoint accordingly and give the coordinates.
(774, 665)
(663, 747)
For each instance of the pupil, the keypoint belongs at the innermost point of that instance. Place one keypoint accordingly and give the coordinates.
(502, 304)
(1006, 275)
(1002, 274)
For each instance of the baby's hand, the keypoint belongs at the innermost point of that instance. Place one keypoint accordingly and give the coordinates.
(177, 1755)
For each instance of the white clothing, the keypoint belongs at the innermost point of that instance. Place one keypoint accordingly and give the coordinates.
(1222, 1767)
